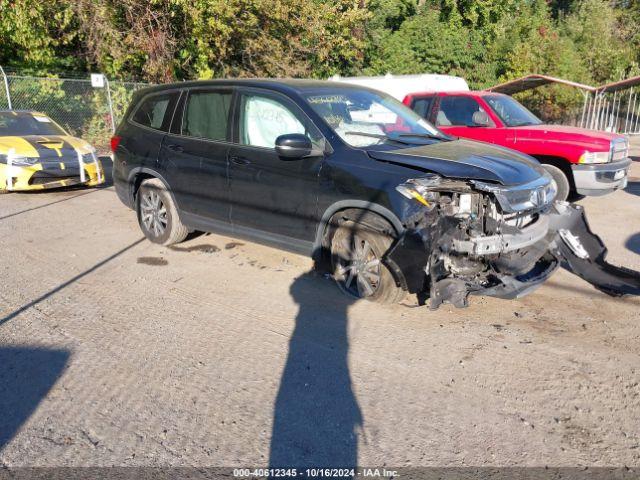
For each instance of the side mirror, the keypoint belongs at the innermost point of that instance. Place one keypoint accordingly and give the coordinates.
(481, 119)
(293, 146)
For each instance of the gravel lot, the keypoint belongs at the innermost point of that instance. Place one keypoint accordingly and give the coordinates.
(219, 352)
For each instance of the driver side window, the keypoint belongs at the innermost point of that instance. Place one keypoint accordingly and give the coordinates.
(263, 119)
(457, 111)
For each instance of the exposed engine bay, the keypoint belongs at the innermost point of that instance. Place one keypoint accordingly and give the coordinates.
(491, 240)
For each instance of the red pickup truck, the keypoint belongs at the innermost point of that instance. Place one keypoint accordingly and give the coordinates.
(581, 161)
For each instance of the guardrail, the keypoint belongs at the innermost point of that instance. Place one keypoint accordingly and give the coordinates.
(617, 111)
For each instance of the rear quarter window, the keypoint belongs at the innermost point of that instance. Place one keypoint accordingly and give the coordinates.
(155, 111)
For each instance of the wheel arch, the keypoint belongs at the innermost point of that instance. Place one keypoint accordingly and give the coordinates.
(140, 174)
(349, 207)
(561, 163)
(371, 214)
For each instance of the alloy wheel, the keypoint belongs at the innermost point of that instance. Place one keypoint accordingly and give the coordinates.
(153, 213)
(358, 267)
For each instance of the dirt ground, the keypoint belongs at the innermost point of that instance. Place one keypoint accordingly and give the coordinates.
(219, 352)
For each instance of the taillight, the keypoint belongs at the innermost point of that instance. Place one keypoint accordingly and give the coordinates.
(115, 141)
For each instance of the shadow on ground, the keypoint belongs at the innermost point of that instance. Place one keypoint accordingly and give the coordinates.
(11, 315)
(316, 417)
(633, 187)
(633, 243)
(26, 376)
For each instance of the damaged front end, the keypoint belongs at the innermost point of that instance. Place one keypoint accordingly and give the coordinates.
(471, 237)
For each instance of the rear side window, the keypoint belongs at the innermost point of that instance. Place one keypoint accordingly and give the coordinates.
(457, 111)
(422, 106)
(207, 115)
(156, 111)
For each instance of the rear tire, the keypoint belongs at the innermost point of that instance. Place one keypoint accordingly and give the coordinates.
(563, 186)
(356, 252)
(157, 214)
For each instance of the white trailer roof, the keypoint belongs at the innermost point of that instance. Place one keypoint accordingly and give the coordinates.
(399, 86)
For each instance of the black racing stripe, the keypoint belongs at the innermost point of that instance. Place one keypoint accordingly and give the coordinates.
(53, 164)
(51, 154)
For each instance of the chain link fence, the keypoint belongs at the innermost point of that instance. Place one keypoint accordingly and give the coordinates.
(81, 109)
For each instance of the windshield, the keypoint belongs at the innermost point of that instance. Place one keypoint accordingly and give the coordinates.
(21, 123)
(512, 113)
(363, 118)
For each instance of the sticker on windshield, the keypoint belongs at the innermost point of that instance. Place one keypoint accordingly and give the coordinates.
(327, 99)
(42, 119)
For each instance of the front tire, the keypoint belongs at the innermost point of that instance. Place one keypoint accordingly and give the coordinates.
(563, 187)
(157, 214)
(356, 253)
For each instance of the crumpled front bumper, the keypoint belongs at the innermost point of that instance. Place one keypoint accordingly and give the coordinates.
(570, 243)
(50, 174)
(561, 237)
(600, 178)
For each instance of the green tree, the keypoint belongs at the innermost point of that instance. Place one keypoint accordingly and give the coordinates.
(133, 38)
(38, 36)
(425, 44)
(594, 28)
(272, 37)
(485, 15)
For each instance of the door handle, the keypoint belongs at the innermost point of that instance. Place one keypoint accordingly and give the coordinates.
(176, 148)
(240, 160)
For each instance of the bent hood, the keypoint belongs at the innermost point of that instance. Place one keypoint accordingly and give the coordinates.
(467, 159)
(50, 147)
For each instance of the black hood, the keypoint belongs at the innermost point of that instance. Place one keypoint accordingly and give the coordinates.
(467, 159)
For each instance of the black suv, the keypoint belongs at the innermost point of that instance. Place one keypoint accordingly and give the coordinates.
(378, 196)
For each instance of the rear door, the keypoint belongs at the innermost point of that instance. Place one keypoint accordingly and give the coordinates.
(144, 132)
(273, 196)
(194, 153)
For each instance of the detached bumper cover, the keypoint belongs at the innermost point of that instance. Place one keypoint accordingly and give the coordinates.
(572, 245)
(600, 178)
(584, 254)
(561, 238)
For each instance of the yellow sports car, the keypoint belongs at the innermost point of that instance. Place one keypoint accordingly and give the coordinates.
(36, 153)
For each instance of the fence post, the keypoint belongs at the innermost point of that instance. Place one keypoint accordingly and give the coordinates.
(626, 118)
(584, 108)
(6, 87)
(113, 121)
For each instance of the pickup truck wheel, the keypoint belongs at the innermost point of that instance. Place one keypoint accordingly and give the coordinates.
(562, 182)
(158, 215)
(356, 253)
